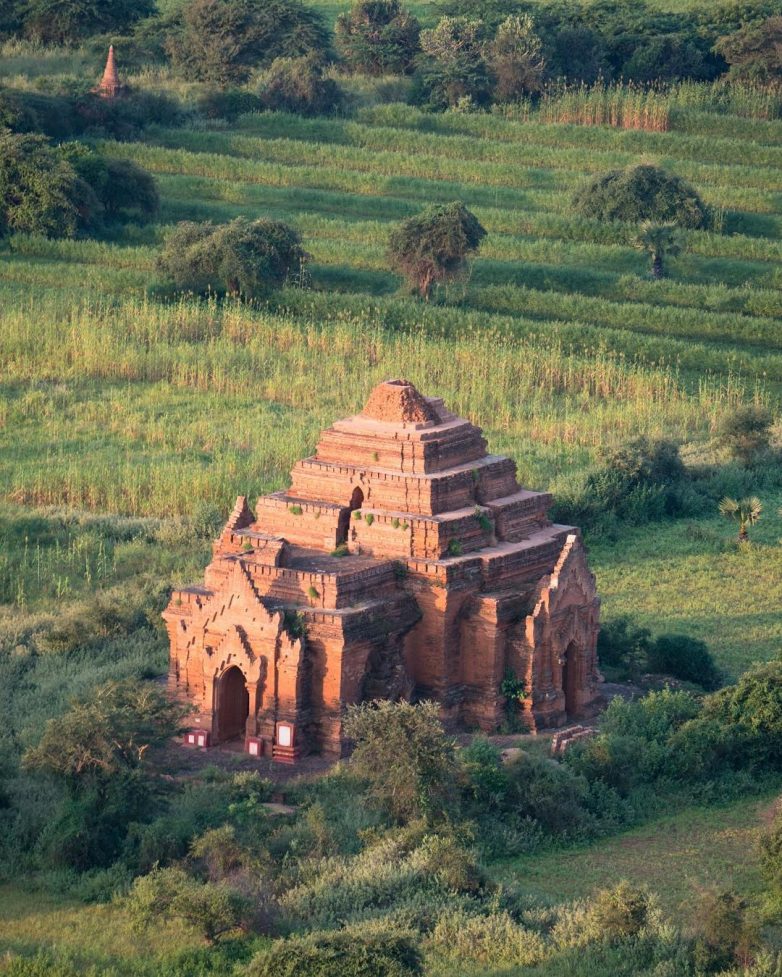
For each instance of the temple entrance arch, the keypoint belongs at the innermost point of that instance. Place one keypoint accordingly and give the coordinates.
(233, 704)
(343, 528)
(570, 678)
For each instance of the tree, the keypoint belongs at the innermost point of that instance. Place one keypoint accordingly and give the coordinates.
(771, 856)
(433, 246)
(660, 241)
(515, 59)
(745, 432)
(38, 187)
(66, 21)
(215, 909)
(685, 658)
(378, 37)
(642, 193)
(122, 188)
(453, 70)
(222, 41)
(754, 52)
(724, 934)
(299, 85)
(243, 258)
(405, 757)
(746, 512)
(112, 731)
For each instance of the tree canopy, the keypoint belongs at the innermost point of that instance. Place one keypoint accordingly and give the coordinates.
(378, 37)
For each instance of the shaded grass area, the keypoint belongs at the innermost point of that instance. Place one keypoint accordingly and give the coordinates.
(675, 856)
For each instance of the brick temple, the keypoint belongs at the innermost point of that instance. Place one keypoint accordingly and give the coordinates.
(404, 561)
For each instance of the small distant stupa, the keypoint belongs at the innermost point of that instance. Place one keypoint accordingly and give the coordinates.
(110, 85)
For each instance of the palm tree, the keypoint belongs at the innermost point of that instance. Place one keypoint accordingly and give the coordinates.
(745, 512)
(660, 241)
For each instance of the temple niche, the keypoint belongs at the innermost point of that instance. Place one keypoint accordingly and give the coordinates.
(404, 561)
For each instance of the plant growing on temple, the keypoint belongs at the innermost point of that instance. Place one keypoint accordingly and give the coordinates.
(405, 757)
(660, 242)
(745, 432)
(745, 512)
(515, 57)
(378, 37)
(642, 193)
(433, 246)
(222, 41)
(242, 258)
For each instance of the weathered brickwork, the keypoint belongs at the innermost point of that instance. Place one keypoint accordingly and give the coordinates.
(403, 561)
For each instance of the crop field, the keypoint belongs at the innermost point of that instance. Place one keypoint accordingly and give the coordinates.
(117, 397)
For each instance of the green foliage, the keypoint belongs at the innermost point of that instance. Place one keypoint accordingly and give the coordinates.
(452, 72)
(433, 246)
(122, 188)
(725, 935)
(66, 21)
(753, 52)
(642, 193)
(770, 848)
(242, 258)
(298, 85)
(515, 58)
(685, 658)
(378, 37)
(213, 908)
(660, 242)
(339, 955)
(621, 643)
(405, 757)
(38, 188)
(222, 41)
(746, 512)
(620, 913)
(744, 432)
(494, 940)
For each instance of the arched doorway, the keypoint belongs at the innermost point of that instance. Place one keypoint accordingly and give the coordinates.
(570, 679)
(233, 705)
(343, 528)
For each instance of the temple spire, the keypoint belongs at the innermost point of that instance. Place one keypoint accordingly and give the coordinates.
(110, 85)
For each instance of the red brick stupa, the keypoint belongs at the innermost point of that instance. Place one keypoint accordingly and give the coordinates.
(403, 562)
(110, 85)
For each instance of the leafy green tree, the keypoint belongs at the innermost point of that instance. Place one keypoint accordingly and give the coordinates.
(215, 909)
(122, 188)
(745, 432)
(66, 21)
(621, 643)
(725, 935)
(433, 246)
(378, 37)
(452, 71)
(746, 512)
(516, 60)
(243, 258)
(685, 658)
(223, 41)
(38, 187)
(298, 85)
(642, 193)
(754, 52)
(405, 757)
(660, 242)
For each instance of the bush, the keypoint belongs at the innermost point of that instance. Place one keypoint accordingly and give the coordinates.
(378, 37)
(642, 193)
(339, 955)
(243, 258)
(38, 188)
(621, 643)
(771, 857)
(227, 104)
(405, 757)
(433, 246)
(754, 52)
(685, 658)
(745, 432)
(123, 189)
(298, 85)
(223, 41)
(495, 941)
(724, 934)
(67, 21)
(667, 58)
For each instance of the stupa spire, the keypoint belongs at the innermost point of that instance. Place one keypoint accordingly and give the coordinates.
(110, 85)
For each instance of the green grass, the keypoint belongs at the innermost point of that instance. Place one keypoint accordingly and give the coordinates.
(675, 856)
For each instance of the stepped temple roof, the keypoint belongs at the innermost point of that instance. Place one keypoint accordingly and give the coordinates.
(404, 560)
